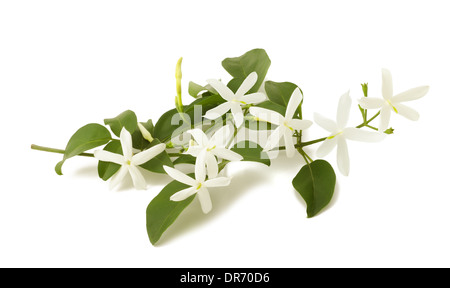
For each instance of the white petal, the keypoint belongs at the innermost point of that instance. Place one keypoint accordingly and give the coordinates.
(118, 177)
(200, 170)
(407, 112)
(343, 160)
(371, 103)
(227, 154)
(411, 94)
(247, 84)
(298, 124)
(253, 98)
(293, 103)
(267, 115)
(136, 176)
(145, 156)
(274, 138)
(221, 136)
(211, 165)
(356, 134)
(326, 147)
(205, 200)
(238, 116)
(289, 143)
(343, 112)
(107, 156)
(194, 150)
(199, 136)
(218, 182)
(385, 116)
(386, 84)
(179, 176)
(183, 194)
(325, 123)
(222, 89)
(127, 144)
(217, 111)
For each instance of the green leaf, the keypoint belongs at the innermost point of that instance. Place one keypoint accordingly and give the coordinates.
(280, 92)
(162, 212)
(185, 159)
(194, 89)
(251, 152)
(315, 182)
(125, 119)
(108, 169)
(87, 137)
(156, 164)
(255, 60)
(139, 142)
(170, 123)
(272, 106)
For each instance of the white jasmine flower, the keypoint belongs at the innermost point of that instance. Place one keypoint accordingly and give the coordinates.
(198, 185)
(286, 125)
(340, 133)
(206, 149)
(128, 161)
(393, 103)
(234, 100)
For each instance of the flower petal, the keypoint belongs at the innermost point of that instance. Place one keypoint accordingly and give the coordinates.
(145, 156)
(267, 115)
(411, 94)
(179, 176)
(200, 170)
(371, 103)
(298, 124)
(222, 89)
(247, 84)
(136, 175)
(127, 143)
(325, 123)
(326, 147)
(253, 98)
(227, 154)
(205, 200)
(343, 111)
(218, 182)
(194, 150)
(289, 143)
(386, 84)
(343, 160)
(238, 115)
(217, 111)
(274, 139)
(118, 177)
(211, 165)
(385, 116)
(107, 156)
(407, 112)
(199, 136)
(294, 101)
(221, 136)
(183, 194)
(356, 134)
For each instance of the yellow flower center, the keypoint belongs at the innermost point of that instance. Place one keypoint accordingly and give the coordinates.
(392, 106)
(209, 149)
(199, 186)
(332, 136)
(287, 125)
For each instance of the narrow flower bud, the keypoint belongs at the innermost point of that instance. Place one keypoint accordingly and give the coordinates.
(145, 133)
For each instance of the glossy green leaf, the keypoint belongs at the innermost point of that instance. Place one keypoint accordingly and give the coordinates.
(279, 92)
(272, 106)
(251, 151)
(87, 137)
(125, 119)
(315, 182)
(139, 142)
(156, 164)
(107, 169)
(162, 212)
(185, 159)
(255, 60)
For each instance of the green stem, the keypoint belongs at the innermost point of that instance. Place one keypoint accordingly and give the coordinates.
(54, 150)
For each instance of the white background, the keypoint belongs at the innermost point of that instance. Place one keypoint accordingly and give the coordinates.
(64, 64)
